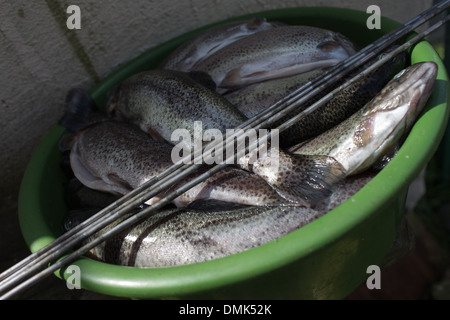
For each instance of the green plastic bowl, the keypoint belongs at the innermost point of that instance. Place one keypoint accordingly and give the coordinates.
(326, 259)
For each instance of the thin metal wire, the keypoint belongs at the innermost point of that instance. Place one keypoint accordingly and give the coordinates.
(316, 85)
(363, 73)
(157, 184)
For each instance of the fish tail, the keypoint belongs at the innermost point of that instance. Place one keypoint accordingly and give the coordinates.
(306, 179)
(81, 110)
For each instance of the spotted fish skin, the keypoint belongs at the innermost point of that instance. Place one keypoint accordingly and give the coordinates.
(256, 98)
(117, 157)
(275, 53)
(358, 142)
(185, 57)
(175, 237)
(162, 101)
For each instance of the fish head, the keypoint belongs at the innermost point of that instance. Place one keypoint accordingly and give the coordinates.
(97, 160)
(89, 174)
(409, 91)
(395, 64)
(417, 81)
(393, 112)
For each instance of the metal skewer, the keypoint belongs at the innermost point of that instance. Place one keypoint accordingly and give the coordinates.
(174, 174)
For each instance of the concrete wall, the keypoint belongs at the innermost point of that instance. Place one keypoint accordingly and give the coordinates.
(40, 58)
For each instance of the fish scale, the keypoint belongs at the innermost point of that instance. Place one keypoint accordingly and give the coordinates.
(372, 132)
(174, 237)
(275, 53)
(185, 57)
(162, 101)
(117, 157)
(254, 99)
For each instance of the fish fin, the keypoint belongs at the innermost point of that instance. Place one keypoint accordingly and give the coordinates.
(87, 178)
(245, 75)
(233, 79)
(306, 179)
(81, 110)
(120, 183)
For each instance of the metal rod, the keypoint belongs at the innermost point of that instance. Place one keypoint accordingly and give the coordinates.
(363, 73)
(305, 92)
(157, 184)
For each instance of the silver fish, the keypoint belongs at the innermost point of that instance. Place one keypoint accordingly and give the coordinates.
(163, 101)
(275, 53)
(174, 237)
(185, 57)
(117, 157)
(255, 98)
(358, 142)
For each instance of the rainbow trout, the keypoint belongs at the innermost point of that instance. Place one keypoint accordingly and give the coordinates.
(360, 141)
(174, 237)
(162, 102)
(254, 99)
(275, 53)
(117, 157)
(186, 56)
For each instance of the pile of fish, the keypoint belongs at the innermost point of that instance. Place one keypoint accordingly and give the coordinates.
(221, 78)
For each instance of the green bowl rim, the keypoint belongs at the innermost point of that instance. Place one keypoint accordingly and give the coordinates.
(180, 280)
